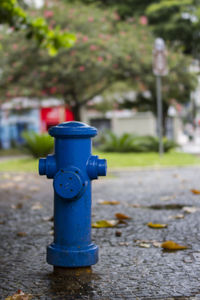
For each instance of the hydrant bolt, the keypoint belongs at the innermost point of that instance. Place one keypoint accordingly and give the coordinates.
(72, 168)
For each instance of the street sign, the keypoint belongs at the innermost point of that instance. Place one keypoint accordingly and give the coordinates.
(159, 58)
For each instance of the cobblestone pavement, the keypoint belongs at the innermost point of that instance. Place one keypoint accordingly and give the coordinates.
(125, 269)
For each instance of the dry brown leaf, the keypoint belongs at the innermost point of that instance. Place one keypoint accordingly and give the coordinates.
(105, 223)
(21, 234)
(196, 192)
(120, 216)
(171, 245)
(20, 296)
(189, 209)
(157, 225)
(104, 202)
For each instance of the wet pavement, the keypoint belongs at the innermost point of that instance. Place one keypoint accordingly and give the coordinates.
(131, 265)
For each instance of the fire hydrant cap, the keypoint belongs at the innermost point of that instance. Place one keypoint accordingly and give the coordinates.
(72, 129)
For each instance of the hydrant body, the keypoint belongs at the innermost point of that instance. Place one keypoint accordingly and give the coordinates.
(72, 168)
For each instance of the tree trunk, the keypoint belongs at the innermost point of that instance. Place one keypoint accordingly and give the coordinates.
(76, 109)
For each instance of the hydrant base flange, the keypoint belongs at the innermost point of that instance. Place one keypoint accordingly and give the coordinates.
(72, 257)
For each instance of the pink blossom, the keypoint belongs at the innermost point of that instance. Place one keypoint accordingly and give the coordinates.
(10, 78)
(48, 13)
(116, 16)
(72, 53)
(90, 19)
(143, 20)
(93, 48)
(128, 57)
(100, 58)
(103, 19)
(123, 33)
(14, 46)
(85, 38)
(81, 68)
(115, 66)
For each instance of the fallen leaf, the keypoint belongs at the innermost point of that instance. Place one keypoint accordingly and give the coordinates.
(2, 222)
(20, 296)
(144, 245)
(156, 244)
(123, 244)
(157, 225)
(105, 223)
(120, 216)
(19, 205)
(179, 216)
(189, 209)
(170, 245)
(196, 192)
(21, 234)
(104, 202)
(36, 206)
(118, 233)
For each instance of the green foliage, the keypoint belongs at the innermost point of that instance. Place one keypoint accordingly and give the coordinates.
(12, 14)
(39, 145)
(110, 142)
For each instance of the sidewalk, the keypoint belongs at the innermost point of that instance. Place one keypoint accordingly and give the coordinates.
(131, 265)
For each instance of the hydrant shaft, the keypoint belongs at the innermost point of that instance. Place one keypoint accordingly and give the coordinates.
(72, 167)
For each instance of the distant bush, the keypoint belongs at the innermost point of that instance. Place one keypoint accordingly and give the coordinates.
(110, 142)
(38, 145)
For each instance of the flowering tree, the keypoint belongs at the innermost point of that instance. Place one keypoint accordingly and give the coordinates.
(12, 14)
(106, 51)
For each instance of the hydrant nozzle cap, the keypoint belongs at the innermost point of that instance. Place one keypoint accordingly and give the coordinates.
(72, 129)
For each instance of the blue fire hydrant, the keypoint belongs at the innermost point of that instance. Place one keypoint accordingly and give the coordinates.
(72, 168)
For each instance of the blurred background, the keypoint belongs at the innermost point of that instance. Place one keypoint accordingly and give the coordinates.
(92, 61)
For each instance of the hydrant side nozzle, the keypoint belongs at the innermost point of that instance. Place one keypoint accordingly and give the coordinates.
(47, 166)
(96, 167)
(102, 167)
(42, 166)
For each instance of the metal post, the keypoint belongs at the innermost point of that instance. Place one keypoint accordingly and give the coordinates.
(159, 113)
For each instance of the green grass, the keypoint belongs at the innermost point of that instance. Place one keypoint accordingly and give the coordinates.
(115, 160)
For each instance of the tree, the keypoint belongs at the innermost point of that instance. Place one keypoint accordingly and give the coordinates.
(12, 14)
(104, 52)
(176, 21)
(107, 51)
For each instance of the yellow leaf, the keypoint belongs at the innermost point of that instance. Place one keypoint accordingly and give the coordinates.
(120, 216)
(196, 192)
(157, 226)
(109, 202)
(104, 223)
(170, 245)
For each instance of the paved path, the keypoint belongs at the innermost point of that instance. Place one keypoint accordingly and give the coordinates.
(126, 270)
